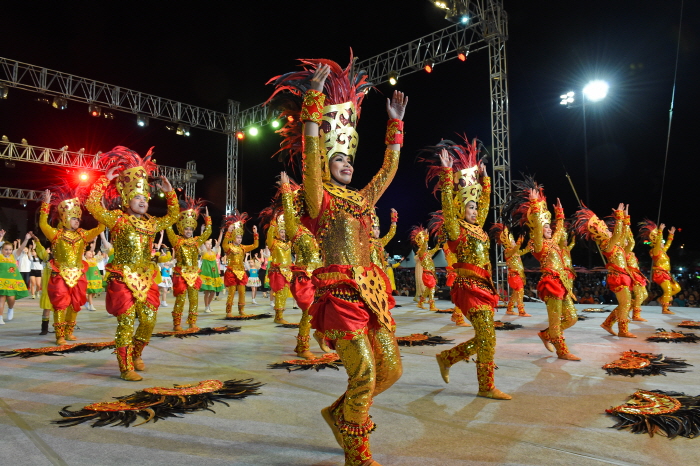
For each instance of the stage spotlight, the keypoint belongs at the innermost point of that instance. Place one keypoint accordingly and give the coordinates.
(596, 90)
(3, 91)
(464, 19)
(142, 121)
(83, 176)
(43, 100)
(393, 78)
(428, 65)
(441, 4)
(60, 103)
(108, 115)
(182, 130)
(240, 135)
(462, 53)
(253, 131)
(95, 110)
(161, 194)
(275, 124)
(9, 164)
(4, 138)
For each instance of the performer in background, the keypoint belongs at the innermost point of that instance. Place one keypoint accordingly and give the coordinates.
(516, 271)
(619, 281)
(235, 278)
(67, 286)
(661, 264)
(131, 289)
(44, 301)
(12, 285)
(639, 281)
(419, 238)
(185, 276)
(279, 269)
(350, 308)
(212, 282)
(473, 291)
(94, 279)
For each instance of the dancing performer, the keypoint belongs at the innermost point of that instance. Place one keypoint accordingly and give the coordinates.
(212, 282)
(419, 238)
(44, 301)
(12, 285)
(279, 271)
(235, 278)
(516, 271)
(378, 254)
(94, 279)
(67, 287)
(186, 281)
(590, 227)
(565, 246)
(661, 264)
(473, 291)
(131, 288)
(350, 307)
(639, 281)
(308, 259)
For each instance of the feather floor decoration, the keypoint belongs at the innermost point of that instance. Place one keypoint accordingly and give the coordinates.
(204, 331)
(422, 339)
(633, 363)
(330, 360)
(498, 325)
(662, 336)
(61, 350)
(689, 324)
(249, 317)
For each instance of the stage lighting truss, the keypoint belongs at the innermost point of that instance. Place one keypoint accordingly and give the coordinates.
(143, 120)
(60, 103)
(95, 110)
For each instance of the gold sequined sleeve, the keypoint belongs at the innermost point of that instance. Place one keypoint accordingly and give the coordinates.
(572, 243)
(90, 235)
(94, 204)
(432, 252)
(484, 201)
(618, 232)
(291, 223)
(451, 223)
(313, 175)
(386, 238)
(49, 231)
(536, 230)
(250, 247)
(669, 240)
(374, 190)
(41, 251)
(173, 212)
(201, 239)
(172, 236)
(226, 243)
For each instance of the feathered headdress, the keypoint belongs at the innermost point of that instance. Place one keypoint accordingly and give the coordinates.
(344, 91)
(418, 235)
(67, 199)
(588, 226)
(648, 231)
(271, 218)
(465, 168)
(516, 212)
(435, 224)
(133, 170)
(189, 212)
(501, 234)
(237, 220)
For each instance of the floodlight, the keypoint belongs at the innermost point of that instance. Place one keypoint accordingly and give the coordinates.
(428, 65)
(60, 103)
(3, 91)
(142, 120)
(253, 131)
(596, 90)
(182, 130)
(95, 110)
(393, 77)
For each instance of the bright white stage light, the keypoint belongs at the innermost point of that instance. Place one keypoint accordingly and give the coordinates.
(596, 90)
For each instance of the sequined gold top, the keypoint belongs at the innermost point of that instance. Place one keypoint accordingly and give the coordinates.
(187, 249)
(235, 253)
(547, 250)
(304, 245)
(377, 254)
(469, 242)
(339, 216)
(658, 252)
(425, 256)
(613, 246)
(68, 245)
(513, 260)
(132, 237)
(280, 253)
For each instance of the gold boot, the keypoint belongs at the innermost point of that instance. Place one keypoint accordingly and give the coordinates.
(420, 303)
(321, 342)
(665, 309)
(126, 366)
(278, 317)
(60, 329)
(177, 320)
(624, 332)
(607, 325)
(487, 388)
(139, 345)
(637, 315)
(302, 349)
(563, 350)
(458, 319)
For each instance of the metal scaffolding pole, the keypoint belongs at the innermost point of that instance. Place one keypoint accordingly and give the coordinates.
(232, 163)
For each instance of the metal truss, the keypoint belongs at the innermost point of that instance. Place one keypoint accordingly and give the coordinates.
(22, 194)
(232, 164)
(34, 78)
(178, 177)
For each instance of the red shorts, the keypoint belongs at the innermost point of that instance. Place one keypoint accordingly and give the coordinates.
(428, 279)
(180, 285)
(302, 288)
(230, 279)
(120, 299)
(468, 295)
(515, 282)
(277, 280)
(638, 278)
(550, 287)
(618, 281)
(659, 276)
(61, 296)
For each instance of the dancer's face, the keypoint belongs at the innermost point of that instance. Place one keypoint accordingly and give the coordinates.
(188, 233)
(74, 223)
(138, 205)
(341, 169)
(375, 232)
(7, 249)
(547, 231)
(239, 240)
(283, 234)
(470, 212)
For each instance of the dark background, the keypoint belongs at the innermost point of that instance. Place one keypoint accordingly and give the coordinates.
(207, 52)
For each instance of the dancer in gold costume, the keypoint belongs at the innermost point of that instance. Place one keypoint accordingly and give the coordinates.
(661, 264)
(131, 288)
(279, 269)
(67, 287)
(186, 281)
(308, 259)
(235, 277)
(528, 208)
(473, 291)
(590, 227)
(639, 281)
(419, 238)
(351, 307)
(516, 271)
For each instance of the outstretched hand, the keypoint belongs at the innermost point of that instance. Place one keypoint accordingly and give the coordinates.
(319, 77)
(558, 205)
(446, 159)
(621, 206)
(47, 196)
(164, 185)
(532, 195)
(396, 107)
(284, 178)
(672, 230)
(112, 173)
(255, 229)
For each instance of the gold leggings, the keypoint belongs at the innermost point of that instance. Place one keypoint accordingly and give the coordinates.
(640, 295)
(125, 324)
(483, 344)
(516, 299)
(193, 296)
(231, 295)
(670, 288)
(281, 298)
(562, 315)
(373, 364)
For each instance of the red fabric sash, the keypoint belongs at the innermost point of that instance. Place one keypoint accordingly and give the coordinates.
(119, 298)
(61, 296)
(230, 279)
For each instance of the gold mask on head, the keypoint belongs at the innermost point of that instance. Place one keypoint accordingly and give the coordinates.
(338, 131)
(131, 183)
(67, 209)
(188, 218)
(467, 188)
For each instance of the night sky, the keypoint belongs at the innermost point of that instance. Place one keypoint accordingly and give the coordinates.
(208, 52)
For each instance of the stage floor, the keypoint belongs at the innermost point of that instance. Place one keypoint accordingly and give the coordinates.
(556, 415)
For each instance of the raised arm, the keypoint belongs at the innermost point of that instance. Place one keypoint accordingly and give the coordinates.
(314, 156)
(558, 229)
(172, 236)
(396, 108)
(207, 228)
(91, 235)
(250, 247)
(49, 231)
(536, 228)
(449, 213)
(40, 249)
(291, 223)
(669, 239)
(392, 231)
(94, 201)
(18, 252)
(618, 232)
(173, 206)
